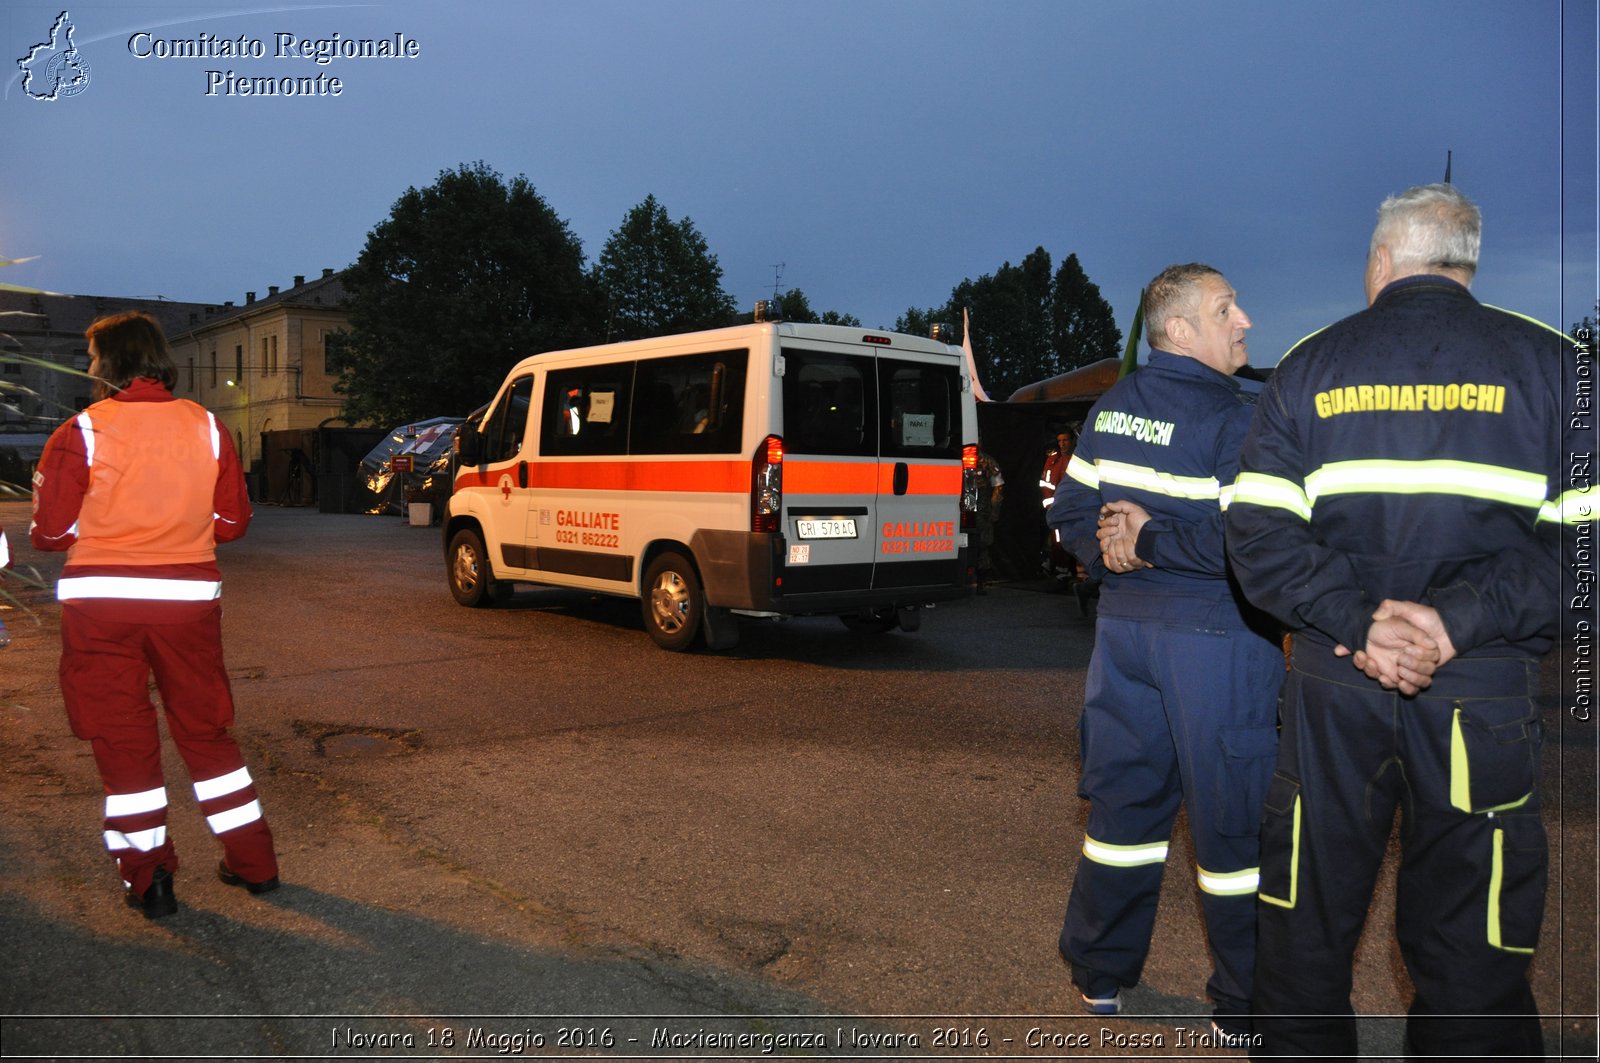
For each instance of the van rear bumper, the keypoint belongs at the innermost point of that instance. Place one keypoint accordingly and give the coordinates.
(745, 570)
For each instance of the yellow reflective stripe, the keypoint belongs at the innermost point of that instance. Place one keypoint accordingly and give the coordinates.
(1530, 320)
(1083, 472)
(1124, 855)
(1259, 489)
(1225, 496)
(1228, 883)
(1496, 876)
(1573, 507)
(1461, 774)
(1294, 865)
(1202, 488)
(1468, 479)
(1460, 779)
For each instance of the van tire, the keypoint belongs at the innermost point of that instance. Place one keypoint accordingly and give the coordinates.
(467, 568)
(672, 603)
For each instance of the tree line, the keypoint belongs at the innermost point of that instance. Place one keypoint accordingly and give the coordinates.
(474, 272)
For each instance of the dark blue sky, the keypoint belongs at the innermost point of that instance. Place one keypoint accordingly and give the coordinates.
(880, 150)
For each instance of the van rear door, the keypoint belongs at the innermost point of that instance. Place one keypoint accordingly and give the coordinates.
(872, 472)
(830, 471)
(919, 488)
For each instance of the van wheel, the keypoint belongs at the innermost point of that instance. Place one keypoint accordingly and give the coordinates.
(672, 604)
(471, 582)
(869, 620)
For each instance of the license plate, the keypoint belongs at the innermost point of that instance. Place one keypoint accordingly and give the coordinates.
(827, 529)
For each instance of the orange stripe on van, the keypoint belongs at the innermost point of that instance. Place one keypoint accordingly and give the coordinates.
(722, 477)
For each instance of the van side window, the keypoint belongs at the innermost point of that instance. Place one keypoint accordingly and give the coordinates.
(828, 404)
(921, 411)
(502, 432)
(689, 404)
(586, 410)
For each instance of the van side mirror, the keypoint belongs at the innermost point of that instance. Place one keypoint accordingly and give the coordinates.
(469, 444)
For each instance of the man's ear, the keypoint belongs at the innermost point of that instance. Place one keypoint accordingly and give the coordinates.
(1380, 271)
(1179, 333)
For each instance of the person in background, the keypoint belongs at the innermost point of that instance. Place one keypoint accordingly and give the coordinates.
(1050, 479)
(1402, 495)
(1181, 695)
(991, 492)
(138, 489)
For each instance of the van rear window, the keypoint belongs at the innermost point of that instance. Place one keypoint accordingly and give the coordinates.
(921, 409)
(828, 404)
(856, 405)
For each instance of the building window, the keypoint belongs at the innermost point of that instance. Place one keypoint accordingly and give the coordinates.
(191, 376)
(238, 363)
(213, 367)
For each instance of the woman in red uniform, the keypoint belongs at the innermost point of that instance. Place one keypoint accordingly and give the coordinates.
(138, 489)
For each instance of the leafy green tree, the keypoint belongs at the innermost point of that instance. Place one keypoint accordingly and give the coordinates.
(1027, 323)
(1083, 327)
(462, 279)
(657, 277)
(796, 307)
(920, 322)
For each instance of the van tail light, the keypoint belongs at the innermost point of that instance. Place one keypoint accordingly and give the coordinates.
(969, 487)
(766, 486)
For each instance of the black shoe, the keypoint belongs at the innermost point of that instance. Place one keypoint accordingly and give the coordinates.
(231, 879)
(158, 900)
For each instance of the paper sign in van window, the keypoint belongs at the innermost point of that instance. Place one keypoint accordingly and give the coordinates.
(916, 430)
(601, 405)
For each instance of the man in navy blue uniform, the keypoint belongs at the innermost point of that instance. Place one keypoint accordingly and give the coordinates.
(1405, 471)
(1180, 702)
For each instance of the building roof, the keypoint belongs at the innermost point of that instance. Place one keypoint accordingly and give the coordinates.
(29, 313)
(326, 292)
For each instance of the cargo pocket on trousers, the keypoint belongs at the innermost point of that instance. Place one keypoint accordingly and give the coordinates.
(1494, 751)
(1280, 842)
(1519, 866)
(1244, 771)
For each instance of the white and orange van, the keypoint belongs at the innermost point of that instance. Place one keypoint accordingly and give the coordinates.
(766, 470)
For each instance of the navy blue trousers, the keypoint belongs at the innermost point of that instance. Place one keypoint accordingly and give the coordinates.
(1173, 714)
(1461, 761)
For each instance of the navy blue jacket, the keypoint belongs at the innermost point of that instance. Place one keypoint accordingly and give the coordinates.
(1414, 451)
(1166, 437)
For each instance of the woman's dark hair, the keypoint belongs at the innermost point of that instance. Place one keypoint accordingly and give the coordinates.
(131, 346)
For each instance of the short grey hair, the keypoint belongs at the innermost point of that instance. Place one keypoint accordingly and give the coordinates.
(1429, 228)
(1175, 292)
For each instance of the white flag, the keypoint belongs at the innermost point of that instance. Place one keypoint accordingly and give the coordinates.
(972, 365)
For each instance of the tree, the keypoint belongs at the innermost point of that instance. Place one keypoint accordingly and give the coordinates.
(1083, 328)
(1028, 325)
(796, 307)
(462, 279)
(657, 277)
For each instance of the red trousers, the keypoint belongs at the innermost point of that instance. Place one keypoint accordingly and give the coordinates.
(107, 658)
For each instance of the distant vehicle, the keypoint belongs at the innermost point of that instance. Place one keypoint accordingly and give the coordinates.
(766, 470)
